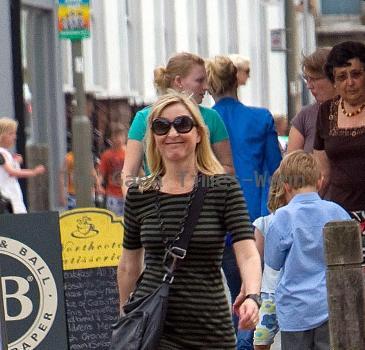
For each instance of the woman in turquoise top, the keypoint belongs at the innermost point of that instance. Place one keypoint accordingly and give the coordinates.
(185, 72)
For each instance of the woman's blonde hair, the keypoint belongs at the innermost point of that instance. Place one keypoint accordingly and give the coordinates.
(7, 124)
(241, 62)
(276, 193)
(179, 64)
(221, 75)
(206, 162)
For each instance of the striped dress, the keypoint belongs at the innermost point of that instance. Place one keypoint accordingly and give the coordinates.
(198, 315)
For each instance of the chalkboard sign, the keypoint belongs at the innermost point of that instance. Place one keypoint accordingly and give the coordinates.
(91, 246)
(91, 306)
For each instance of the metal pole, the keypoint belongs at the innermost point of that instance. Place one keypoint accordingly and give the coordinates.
(291, 62)
(305, 26)
(81, 133)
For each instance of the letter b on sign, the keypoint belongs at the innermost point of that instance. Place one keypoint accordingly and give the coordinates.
(26, 305)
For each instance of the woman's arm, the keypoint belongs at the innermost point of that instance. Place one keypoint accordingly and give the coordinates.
(222, 151)
(132, 163)
(248, 261)
(259, 237)
(296, 140)
(129, 269)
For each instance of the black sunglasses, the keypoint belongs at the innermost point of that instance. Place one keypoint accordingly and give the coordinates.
(182, 124)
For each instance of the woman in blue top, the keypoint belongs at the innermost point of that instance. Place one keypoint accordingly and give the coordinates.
(255, 150)
(185, 72)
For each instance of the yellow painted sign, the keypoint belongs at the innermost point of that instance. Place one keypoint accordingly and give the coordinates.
(90, 237)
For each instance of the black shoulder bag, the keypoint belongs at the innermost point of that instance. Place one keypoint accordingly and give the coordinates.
(142, 325)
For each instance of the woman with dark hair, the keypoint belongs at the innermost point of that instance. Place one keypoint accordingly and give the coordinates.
(340, 139)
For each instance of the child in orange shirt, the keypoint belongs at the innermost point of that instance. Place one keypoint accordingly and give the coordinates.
(67, 176)
(110, 170)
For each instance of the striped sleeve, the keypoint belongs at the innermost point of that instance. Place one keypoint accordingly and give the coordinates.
(132, 227)
(236, 216)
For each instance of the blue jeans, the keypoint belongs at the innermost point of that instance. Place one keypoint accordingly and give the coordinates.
(232, 273)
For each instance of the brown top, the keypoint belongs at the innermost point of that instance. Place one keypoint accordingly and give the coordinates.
(345, 149)
(305, 123)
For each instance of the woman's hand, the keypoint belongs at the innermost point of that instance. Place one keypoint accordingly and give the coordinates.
(248, 314)
(247, 310)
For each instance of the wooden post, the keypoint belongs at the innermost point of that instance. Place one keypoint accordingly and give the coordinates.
(345, 285)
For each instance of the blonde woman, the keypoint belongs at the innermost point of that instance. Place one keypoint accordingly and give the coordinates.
(178, 150)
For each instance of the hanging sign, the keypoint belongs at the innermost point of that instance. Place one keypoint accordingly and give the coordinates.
(74, 19)
(278, 40)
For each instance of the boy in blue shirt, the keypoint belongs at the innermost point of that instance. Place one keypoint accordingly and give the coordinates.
(294, 243)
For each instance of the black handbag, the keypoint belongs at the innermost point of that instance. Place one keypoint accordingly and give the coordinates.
(141, 327)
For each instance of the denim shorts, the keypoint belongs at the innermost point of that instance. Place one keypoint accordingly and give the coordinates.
(267, 326)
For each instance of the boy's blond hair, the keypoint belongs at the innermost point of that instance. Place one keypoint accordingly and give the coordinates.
(299, 169)
(276, 193)
(7, 124)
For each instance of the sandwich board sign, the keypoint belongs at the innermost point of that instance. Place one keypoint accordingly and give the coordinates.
(91, 247)
(32, 281)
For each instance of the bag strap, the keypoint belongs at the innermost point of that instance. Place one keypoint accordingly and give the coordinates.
(177, 251)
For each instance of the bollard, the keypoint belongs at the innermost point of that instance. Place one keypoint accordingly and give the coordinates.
(345, 285)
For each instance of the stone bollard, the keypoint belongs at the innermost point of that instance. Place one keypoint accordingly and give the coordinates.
(345, 285)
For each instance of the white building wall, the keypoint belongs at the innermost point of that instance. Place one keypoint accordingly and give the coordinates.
(182, 30)
(149, 58)
(246, 93)
(131, 37)
(276, 62)
(113, 48)
(122, 32)
(214, 24)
